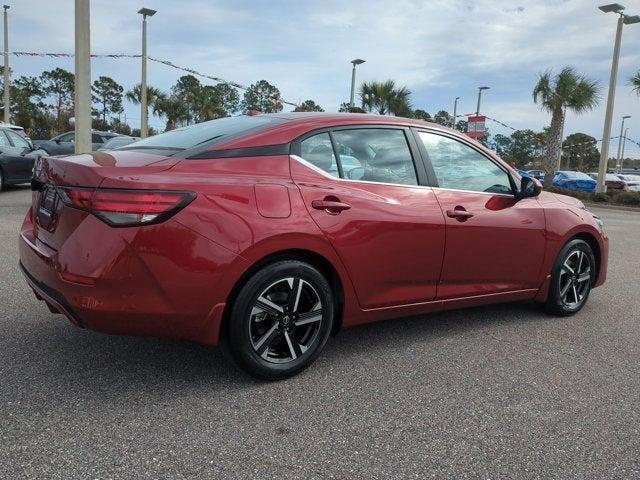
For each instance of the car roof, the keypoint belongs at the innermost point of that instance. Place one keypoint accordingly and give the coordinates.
(295, 124)
(11, 126)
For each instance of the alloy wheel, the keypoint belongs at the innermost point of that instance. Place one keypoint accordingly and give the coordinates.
(574, 279)
(285, 320)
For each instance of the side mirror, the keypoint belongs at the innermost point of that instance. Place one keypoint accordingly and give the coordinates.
(57, 140)
(529, 188)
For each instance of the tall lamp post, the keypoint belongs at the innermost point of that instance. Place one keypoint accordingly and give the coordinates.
(455, 112)
(144, 113)
(82, 79)
(624, 142)
(7, 105)
(480, 89)
(624, 117)
(357, 61)
(606, 134)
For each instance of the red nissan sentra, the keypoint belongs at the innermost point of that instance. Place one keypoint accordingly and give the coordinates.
(270, 232)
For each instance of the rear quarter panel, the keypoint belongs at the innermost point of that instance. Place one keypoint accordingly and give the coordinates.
(240, 207)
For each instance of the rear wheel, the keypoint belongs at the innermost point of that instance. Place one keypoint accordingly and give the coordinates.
(571, 279)
(281, 320)
(1, 180)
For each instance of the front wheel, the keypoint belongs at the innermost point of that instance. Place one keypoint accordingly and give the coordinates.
(281, 320)
(571, 278)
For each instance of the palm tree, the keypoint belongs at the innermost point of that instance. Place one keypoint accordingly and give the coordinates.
(176, 111)
(635, 82)
(153, 95)
(555, 94)
(385, 98)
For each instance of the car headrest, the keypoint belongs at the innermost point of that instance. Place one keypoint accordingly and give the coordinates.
(321, 156)
(387, 157)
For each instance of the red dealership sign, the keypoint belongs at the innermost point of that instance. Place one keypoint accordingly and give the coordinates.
(475, 128)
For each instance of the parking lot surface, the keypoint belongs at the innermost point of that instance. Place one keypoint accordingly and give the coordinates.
(500, 392)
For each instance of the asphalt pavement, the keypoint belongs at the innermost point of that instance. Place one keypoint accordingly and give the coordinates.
(500, 392)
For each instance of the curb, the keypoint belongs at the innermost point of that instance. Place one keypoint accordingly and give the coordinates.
(606, 206)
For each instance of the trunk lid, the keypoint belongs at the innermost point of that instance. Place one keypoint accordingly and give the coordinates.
(53, 221)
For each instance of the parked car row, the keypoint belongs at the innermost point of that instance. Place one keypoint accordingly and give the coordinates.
(18, 153)
(587, 182)
(64, 143)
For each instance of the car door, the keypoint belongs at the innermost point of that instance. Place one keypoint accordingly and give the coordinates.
(369, 197)
(495, 242)
(22, 149)
(10, 159)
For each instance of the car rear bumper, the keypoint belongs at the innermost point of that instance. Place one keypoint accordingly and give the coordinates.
(140, 293)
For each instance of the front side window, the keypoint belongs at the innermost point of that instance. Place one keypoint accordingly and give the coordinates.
(459, 167)
(375, 155)
(318, 151)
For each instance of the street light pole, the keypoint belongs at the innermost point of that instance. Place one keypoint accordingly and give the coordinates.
(357, 61)
(606, 134)
(480, 89)
(82, 124)
(144, 113)
(7, 103)
(624, 142)
(455, 111)
(624, 117)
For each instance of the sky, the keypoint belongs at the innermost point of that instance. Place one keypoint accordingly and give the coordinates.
(439, 49)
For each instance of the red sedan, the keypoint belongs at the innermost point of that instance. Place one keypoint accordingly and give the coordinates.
(270, 232)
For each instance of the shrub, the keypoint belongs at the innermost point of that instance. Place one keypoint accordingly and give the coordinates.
(601, 197)
(628, 198)
(579, 194)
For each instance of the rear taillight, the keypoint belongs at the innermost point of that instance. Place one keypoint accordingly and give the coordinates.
(125, 208)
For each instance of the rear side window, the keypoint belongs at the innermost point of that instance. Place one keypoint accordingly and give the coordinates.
(3, 139)
(318, 151)
(368, 154)
(376, 155)
(205, 133)
(95, 138)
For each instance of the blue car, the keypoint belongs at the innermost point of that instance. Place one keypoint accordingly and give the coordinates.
(574, 181)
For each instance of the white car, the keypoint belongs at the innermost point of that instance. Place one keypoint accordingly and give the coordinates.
(633, 182)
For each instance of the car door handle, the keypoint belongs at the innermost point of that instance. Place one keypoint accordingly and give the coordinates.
(330, 206)
(459, 213)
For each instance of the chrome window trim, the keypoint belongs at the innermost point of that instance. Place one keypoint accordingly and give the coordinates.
(348, 180)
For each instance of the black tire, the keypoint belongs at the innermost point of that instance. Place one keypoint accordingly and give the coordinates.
(1, 180)
(281, 320)
(571, 279)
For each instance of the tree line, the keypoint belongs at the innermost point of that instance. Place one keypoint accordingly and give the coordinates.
(43, 105)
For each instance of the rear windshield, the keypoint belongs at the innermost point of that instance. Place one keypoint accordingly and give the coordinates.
(203, 134)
